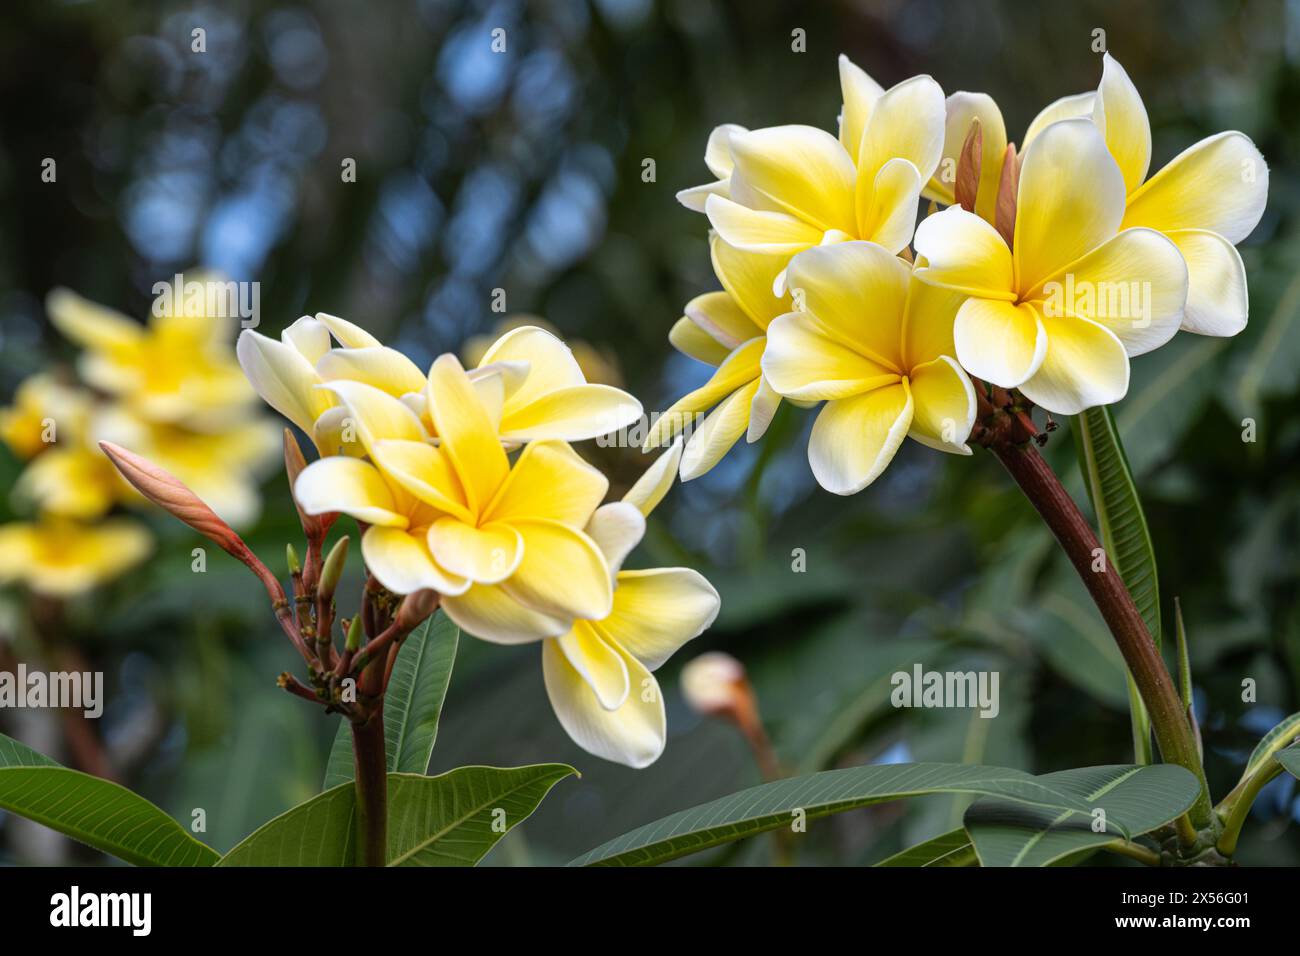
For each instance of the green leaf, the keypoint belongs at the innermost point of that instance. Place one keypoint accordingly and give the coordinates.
(773, 805)
(96, 812)
(412, 704)
(432, 821)
(1136, 800)
(1275, 741)
(1290, 758)
(953, 848)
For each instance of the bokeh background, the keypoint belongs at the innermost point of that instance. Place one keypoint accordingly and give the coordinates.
(523, 171)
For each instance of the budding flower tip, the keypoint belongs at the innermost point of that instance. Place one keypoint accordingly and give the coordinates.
(291, 558)
(354, 635)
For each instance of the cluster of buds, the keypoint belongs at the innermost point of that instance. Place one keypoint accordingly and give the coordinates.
(351, 679)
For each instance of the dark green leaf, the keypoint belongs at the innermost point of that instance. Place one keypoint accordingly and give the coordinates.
(412, 704)
(1290, 758)
(446, 820)
(1135, 800)
(96, 812)
(1276, 740)
(953, 848)
(774, 805)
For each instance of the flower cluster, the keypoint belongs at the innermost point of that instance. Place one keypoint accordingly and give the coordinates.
(171, 389)
(1050, 268)
(465, 484)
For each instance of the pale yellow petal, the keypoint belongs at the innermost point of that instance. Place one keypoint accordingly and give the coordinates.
(689, 339)
(943, 400)
(401, 562)
(486, 555)
(1071, 200)
(750, 279)
(718, 432)
(1218, 301)
(887, 203)
(1120, 114)
(283, 377)
(860, 93)
(928, 325)
(1067, 107)
(384, 368)
(598, 664)
(466, 432)
(798, 170)
(1085, 366)
(762, 410)
(657, 611)
(310, 337)
(906, 122)
(655, 481)
(490, 614)
(549, 480)
(617, 528)
(574, 413)
(854, 439)
(1219, 184)
(964, 253)
(550, 362)
(348, 485)
(349, 335)
(717, 151)
(562, 574)
(425, 472)
(758, 230)
(722, 318)
(740, 368)
(805, 363)
(373, 415)
(90, 325)
(961, 109)
(999, 342)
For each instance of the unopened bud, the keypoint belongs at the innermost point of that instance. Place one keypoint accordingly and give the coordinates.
(291, 558)
(714, 684)
(415, 608)
(332, 570)
(294, 463)
(355, 635)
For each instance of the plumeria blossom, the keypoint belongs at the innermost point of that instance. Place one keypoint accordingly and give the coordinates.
(529, 372)
(598, 674)
(177, 368)
(502, 544)
(726, 329)
(1207, 199)
(1058, 314)
(61, 558)
(783, 189)
(876, 345)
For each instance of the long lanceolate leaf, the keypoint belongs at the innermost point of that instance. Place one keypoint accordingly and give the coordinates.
(412, 705)
(96, 812)
(953, 848)
(778, 804)
(449, 820)
(1124, 535)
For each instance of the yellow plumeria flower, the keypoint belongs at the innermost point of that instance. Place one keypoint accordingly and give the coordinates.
(876, 345)
(1059, 313)
(73, 480)
(787, 188)
(176, 368)
(1205, 200)
(43, 411)
(543, 393)
(60, 558)
(503, 545)
(598, 364)
(726, 329)
(598, 674)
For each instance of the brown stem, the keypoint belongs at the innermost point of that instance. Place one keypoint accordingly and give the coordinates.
(1072, 530)
(371, 764)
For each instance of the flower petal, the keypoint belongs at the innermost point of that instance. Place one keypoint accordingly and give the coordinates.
(283, 377)
(1067, 107)
(857, 291)
(719, 315)
(597, 663)
(633, 735)
(886, 204)
(425, 472)
(492, 615)
(963, 252)
(928, 325)
(758, 230)
(90, 325)
(549, 480)
(1217, 298)
(486, 555)
(803, 362)
(562, 574)
(961, 109)
(860, 94)
(1071, 200)
(689, 339)
(718, 432)
(466, 431)
(655, 481)
(575, 413)
(798, 170)
(717, 151)
(1085, 366)
(943, 400)
(1219, 184)
(309, 337)
(999, 342)
(739, 368)
(350, 336)
(854, 439)
(907, 122)
(551, 364)
(384, 368)
(749, 278)
(762, 410)
(1120, 114)
(659, 610)
(1135, 284)
(617, 528)
(375, 415)
(401, 562)
(348, 485)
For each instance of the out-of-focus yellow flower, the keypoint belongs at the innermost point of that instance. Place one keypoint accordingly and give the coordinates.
(726, 329)
(44, 410)
(876, 344)
(503, 545)
(528, 372)
(1059, 313)
(176, 368)
(61, 558)
(786, 188)
(598, 365)
(598, 674)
